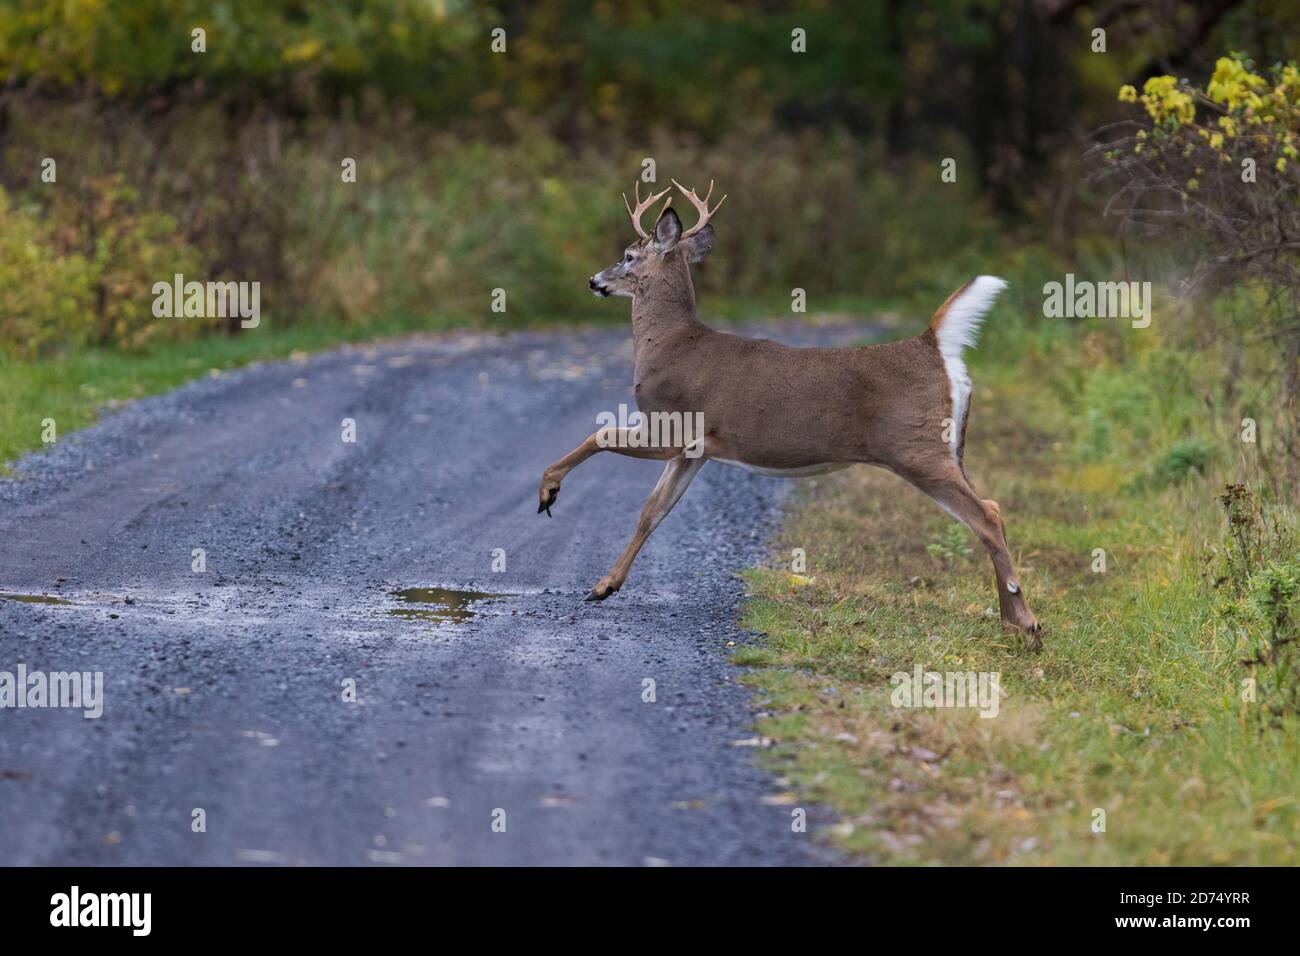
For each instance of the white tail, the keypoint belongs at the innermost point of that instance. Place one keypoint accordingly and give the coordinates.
(957, 323)
(956, 327)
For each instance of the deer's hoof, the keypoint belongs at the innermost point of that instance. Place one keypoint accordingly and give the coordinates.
(548, 497)
(600, 592)
(1034, 638)
(1032, 633)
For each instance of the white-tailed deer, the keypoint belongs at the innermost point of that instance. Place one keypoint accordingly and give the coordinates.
(784, 411)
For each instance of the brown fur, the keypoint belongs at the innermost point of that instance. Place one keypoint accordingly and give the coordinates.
(772, 406)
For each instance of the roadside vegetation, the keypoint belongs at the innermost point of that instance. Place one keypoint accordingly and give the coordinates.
(1148, 480)
(76, 386)
(1166, 575)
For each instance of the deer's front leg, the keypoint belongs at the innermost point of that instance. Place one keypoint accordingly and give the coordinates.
(606, 439)
(671, 486)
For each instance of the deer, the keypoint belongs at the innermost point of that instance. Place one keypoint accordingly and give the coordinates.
(788, 411)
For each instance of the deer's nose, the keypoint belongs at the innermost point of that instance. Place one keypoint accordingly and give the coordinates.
(591, 283)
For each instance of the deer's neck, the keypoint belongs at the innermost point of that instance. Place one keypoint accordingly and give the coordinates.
(663, 307)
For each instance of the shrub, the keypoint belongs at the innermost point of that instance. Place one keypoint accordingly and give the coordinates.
(44, 297)
(1222, 165)
(1259, 584)
(434, 222)
(87, 277)
(125, 250)
(1177, 462)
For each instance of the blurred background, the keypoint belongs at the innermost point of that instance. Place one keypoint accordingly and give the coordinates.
(479, 169)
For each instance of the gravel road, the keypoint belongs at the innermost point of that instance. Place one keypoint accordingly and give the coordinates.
(224, 689)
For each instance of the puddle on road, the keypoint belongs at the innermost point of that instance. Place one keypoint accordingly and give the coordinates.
(440, 605)
(33, 598)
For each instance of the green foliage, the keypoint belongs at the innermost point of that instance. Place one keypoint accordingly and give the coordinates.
(82, 274)
(1215, 167)
(1274, 591)
(73, 386)
(568, 62)
(126, 249)
(1182, 459)
(952, 545)
(420, 51)
(1259, 596)
(434, 222)
(44, 297)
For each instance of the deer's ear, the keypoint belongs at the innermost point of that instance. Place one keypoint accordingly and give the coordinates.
(700, 244)
(668, 230)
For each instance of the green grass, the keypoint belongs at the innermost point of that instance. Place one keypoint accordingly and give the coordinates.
(74, 388)
(1134, 707)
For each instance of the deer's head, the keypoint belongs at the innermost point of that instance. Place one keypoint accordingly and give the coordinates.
(651, 256)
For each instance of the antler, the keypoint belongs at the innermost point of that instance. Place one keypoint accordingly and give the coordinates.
(701, 206)
(641, 207)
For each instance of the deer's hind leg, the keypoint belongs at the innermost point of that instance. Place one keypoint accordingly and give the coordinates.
(606, 439)
(672, 484)
(953, 492)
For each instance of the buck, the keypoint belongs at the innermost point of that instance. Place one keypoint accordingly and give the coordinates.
(788, 412)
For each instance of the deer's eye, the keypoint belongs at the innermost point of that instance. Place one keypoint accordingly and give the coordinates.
(627, 257)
